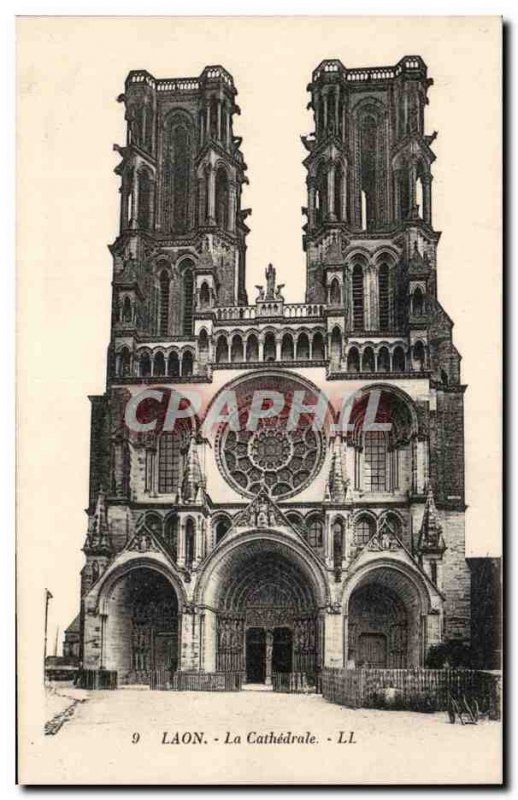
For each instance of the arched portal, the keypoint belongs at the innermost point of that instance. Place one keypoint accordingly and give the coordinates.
(266, 602)
(141, 631)
(386, 609)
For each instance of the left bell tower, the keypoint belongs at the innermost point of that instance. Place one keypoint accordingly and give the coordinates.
(181, 242)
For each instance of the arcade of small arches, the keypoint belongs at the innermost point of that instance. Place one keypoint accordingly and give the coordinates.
(252, 347)
(270, 345)
(189, 542)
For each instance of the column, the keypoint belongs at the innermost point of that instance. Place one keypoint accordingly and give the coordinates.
(277, 348)
(180, 559)
(209, 641)
(333, 638)
(412, 177)
(218, 106)
(227, 126)
(311, 201)
(261, 348)
(337, 109)
(198, 544)
(134, 200)
(232, 207)
(207, 120)
(269, 653)
(427, 199)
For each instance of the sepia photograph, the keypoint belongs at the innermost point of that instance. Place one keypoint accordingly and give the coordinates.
(259, 474)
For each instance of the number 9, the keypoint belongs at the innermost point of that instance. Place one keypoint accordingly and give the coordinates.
(135, 738)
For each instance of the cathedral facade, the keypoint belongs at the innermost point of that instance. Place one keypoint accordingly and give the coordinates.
(274, 486)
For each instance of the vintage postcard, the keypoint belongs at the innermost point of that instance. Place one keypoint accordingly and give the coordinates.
(259, 393)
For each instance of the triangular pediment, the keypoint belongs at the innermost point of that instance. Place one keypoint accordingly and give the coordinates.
(263, 512)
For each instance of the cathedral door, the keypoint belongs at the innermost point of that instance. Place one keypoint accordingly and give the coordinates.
(165, 651)
(282, 650)
(255, 655)
(373, 650)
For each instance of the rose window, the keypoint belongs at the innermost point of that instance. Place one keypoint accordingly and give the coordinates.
(284, 460)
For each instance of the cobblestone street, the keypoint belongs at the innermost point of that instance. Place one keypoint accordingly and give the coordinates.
(216, 737)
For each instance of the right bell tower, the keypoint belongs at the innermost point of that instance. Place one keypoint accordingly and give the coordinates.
(369, 190)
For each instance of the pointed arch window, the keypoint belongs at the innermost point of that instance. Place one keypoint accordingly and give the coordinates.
(173, 365)
(315, 530)
(302, 347)
(222, 193)
(339, 193)
(287, 348)
(384, 297)
(189, 543)
(187, 364)
(145, 199)
(171, 535)
(164, 303)
(269, 347)
(368, 168)
(169, 462)
(375, 461)
(236, 350)
(353, 360)
(187, 298)
(321, 194)
(336, 344)
(363, 530)
(335, 293)
(252, 348)
(417, 302)
(338, 543)
(358, 299)
(221, 350)
(178, 174)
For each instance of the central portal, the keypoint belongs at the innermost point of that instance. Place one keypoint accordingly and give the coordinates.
(267, 618)
(268, 651)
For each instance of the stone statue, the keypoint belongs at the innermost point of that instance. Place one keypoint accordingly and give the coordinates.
(270, 282)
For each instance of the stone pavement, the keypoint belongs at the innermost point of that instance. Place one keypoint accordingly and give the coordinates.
(136, 735)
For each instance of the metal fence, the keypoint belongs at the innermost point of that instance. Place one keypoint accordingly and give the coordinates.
(296, 682)
(411, 689)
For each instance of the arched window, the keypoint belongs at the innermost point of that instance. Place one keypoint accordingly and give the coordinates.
(318, 347)
(417, 302)
(353, 360)
(222, 198)
(338, 542)
(187, 298)
(173, 365)
(335, 293)
(187, 363)
(171, 535)
(384, 297)
(178, 174)
(236, 349)
(127, 310)
(295, 519)
(336, 345)
(203, 345)
(221, 527)
(321, 194)
(159, 364)
(95, 571)
(358, 301)
(398, 359)
(189, 543)
(145, 199)
(169, 462)
(303, 347)
(221, 350)
(368, 168)
(145, 366)
(339, 198)
(383, 360)
(368, 360)
(287, 347)
(269, 347)
(164, 303)
(252, 348)
(315, 531)
(204, 295)
(364, 529)
(403, 190)
(125, 362)
(418, 355)
(375, 461)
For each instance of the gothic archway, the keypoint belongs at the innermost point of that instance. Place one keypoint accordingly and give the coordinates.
(141, 630)
(266, 598)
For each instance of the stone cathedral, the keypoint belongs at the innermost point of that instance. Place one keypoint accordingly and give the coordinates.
(276, 547)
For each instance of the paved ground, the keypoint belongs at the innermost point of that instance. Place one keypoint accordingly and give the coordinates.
(221, 737)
